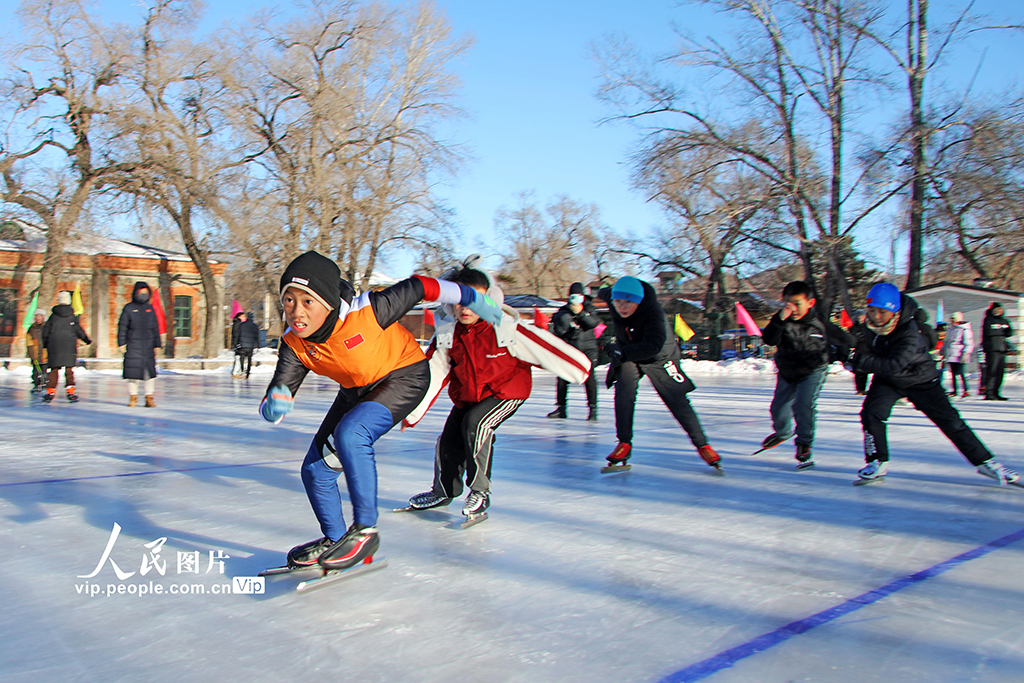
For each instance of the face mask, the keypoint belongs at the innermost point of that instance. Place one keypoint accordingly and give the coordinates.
(142, 297)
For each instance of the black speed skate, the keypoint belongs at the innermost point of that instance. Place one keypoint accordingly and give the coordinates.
(617, 458)
(305, 556)
(424, 501)
(803, 457)
(357, 545)
(771, 441)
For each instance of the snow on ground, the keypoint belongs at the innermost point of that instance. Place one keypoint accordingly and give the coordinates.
(667, 572)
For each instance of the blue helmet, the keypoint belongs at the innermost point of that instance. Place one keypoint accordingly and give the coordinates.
(628, 288)
(885, 296)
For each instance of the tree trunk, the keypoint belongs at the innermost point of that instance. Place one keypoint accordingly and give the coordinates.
(917, 54)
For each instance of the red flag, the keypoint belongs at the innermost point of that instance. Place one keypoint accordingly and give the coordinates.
(744, 319)
(161, 319)
(844, 320)
(428, 317)
(539, 319)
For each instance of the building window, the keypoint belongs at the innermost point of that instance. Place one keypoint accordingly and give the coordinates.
(8, 312)
(183, 316)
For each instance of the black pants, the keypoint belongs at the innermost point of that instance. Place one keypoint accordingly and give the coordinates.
(860, 381)
(930, 400)
(996, 366)
(957, 370)
(672, 386)
(244, 361)
(562, 390)
(466, 445)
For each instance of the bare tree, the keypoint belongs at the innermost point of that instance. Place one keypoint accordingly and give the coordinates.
(543, 249)
(57, 90)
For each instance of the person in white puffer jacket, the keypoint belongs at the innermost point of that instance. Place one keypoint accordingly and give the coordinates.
(957, 349)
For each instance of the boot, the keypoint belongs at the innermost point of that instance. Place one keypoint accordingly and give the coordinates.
(771, 441)
(133, 400)
(1001, 473)
(620, 455)
(710, 456)
(425, 501)
(50, 393)
(558, 413)
(357, 545)
(476, 503)
(307, 554)
(875, 469)
(72, 396)
(803, 457)
(150, 403)
(592, 416)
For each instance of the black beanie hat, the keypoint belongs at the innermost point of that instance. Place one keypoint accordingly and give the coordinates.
(316, 274)
(319, 276)
(576, 288)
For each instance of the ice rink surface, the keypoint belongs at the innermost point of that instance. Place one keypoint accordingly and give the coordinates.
(665, 573)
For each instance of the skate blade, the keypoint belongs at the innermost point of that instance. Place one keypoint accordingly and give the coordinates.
(615, 468)
(473, 520)
(336, 575)
(278, 571)
(717, 470)
(865, 482)
(809, 465)
(407, 508)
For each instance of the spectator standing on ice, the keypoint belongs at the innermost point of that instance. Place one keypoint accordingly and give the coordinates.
(574, 324)
(802, 341)
(643, 346)
(383, 374)
(488, 372)
(138, 337)
(60, 339)
(896, 353)
(35, 350)
(995, 332)
(957, 348)
(857, 330)
(247, 341)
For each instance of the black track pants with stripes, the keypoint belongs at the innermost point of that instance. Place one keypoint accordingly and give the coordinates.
(466, 445)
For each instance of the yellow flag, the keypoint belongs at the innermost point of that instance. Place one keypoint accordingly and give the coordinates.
(76, 300)
(683, 330)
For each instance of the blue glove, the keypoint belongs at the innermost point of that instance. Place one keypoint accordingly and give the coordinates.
(277, 403)
(485, 307)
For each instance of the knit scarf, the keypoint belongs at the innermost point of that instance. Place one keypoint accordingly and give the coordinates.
(882, 330)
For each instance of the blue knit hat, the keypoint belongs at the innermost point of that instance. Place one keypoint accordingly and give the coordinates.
(885, 296)
(628, 289)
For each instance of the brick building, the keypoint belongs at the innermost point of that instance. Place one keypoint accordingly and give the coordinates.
(106, 271)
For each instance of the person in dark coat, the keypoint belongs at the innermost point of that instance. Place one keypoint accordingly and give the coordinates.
(138, 336)
(858, 330)
(995, 330)
(236, 322)
(60, 339)
(35, 350)
(574, 324)
(643, 346)
(897, 354)
(248, 340)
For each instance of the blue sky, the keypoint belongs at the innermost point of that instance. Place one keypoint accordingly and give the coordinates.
(529, 87)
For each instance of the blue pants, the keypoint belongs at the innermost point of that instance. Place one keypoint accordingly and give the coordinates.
(354, 437)
(797, 401)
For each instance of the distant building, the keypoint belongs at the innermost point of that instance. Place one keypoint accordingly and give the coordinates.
(106, 271)
(972, 301)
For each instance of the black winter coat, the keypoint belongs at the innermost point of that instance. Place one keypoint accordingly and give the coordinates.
(900, 358)
(643, 337)
(139, 331)
(248, 335)
(577, 329)
(802, 346)
(60, 337)
(994, 333)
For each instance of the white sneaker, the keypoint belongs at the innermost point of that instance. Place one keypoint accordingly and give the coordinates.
(876, 469)
(1001, 473)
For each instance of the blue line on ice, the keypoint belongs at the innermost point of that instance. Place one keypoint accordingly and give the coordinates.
(140, 474)
(726, 658)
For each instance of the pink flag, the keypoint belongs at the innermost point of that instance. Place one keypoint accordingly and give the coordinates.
(236, 308)
(744, 319)
(599, 330)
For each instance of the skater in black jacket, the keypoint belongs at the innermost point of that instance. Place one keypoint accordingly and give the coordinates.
(896, 353)
(803, 341)
(644, 346)
(995, 331)
(574, 323)
(60, 339)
